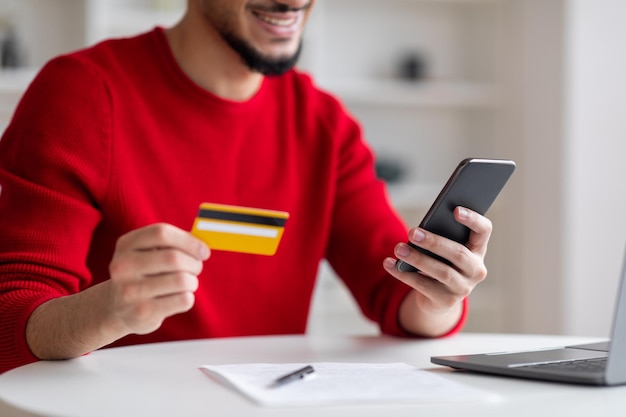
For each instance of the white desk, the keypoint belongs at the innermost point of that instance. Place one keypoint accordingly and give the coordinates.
(164, 379)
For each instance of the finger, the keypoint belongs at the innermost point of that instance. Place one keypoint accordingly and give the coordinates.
(431, 288)
(159, 286)
(142, 263)
(447, 249)
(166, 260)
(163, 235)
(480, 226)
(435, 269)
(467, 267)
(175, 303)
(149, 316)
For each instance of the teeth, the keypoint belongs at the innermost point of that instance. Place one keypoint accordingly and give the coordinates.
(277, 22)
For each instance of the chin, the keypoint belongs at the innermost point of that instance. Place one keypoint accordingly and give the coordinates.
(280, 50)
(273, 60)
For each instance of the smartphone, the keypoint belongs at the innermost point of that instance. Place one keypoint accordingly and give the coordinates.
(474, 184)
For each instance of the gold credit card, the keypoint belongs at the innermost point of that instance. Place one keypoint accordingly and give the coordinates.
(239, 229)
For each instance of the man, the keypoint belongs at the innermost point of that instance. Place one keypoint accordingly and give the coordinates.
(111, 151)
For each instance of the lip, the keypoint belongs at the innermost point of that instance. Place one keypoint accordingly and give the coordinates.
(282, 25)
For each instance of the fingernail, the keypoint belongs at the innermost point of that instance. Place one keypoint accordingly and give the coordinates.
(204, 252)
(389, 263)
(463, 213)
(402, 250)
(418, 235)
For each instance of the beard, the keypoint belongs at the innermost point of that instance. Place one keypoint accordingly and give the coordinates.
(257, 61)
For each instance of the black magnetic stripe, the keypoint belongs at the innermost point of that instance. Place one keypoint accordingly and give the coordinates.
(241, 217)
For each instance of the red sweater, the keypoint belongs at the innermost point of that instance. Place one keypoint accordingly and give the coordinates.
(116, 137)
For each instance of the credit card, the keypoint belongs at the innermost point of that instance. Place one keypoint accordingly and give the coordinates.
(240, 229)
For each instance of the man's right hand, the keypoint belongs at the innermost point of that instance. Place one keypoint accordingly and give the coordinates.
(153, 276)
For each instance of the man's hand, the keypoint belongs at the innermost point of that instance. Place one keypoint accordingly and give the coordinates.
(153, 276)
(435, 305)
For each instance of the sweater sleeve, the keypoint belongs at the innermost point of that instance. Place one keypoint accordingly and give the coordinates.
(365, 230)
(53, 171)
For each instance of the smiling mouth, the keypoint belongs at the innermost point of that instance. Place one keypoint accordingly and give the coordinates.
(277, 21)
(280, 16)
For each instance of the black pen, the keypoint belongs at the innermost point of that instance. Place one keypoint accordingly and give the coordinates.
(292, 376)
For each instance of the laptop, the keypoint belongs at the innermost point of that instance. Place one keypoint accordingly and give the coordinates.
(601, 363)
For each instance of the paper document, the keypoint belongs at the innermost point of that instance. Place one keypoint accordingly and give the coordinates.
(343, 383)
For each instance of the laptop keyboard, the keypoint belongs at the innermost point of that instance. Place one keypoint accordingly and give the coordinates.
(587, 365)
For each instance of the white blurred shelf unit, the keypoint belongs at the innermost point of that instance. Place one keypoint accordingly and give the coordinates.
(12, 86)
(355, 49)
(118, 18)
(46, 28)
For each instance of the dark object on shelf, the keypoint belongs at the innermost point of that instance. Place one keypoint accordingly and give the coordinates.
(9, 50)
(389, 170)
(412, 67)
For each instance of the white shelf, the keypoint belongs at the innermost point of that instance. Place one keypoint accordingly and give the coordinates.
(128, 19)
(132, 20)
(412, 93)
(409, 195)
(13, 83)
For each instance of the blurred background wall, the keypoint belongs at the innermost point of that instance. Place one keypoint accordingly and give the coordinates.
(432, 82)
